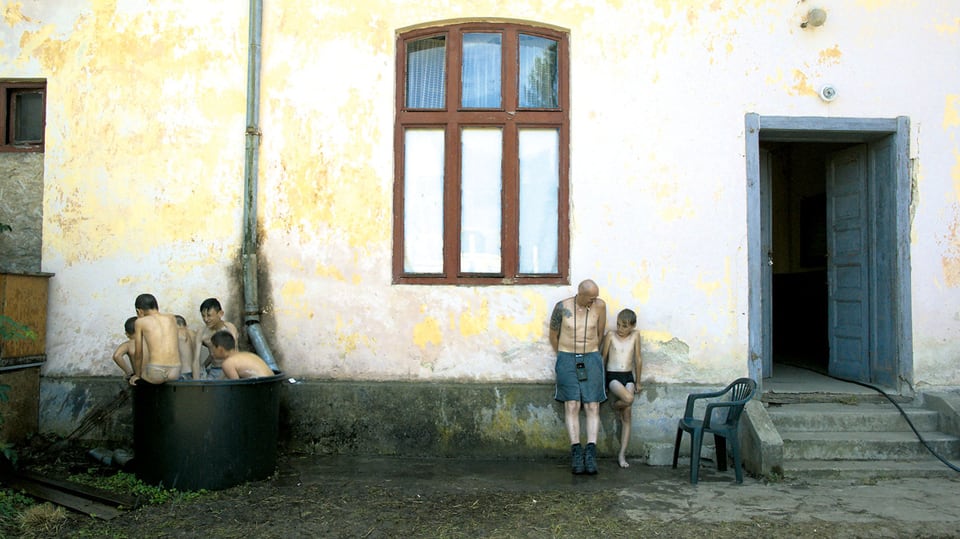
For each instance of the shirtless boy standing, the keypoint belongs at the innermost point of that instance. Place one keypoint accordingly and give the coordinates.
(185, 343)
(236, 364)
(621, 352)
(123, 356)
(576, 328)
(156, 332)
(212, 314)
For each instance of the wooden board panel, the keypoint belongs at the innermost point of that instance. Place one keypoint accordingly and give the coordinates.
(59, 497)
(24, 299)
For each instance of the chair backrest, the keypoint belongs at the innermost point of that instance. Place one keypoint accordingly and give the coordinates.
(741, 391)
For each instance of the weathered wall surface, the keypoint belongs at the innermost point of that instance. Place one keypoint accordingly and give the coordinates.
(21, 207)
(143, 174)
(391, 418)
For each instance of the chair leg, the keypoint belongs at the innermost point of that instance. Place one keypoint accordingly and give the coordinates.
(720, 442)
(676, 447)
(696, 442)
(737, 464)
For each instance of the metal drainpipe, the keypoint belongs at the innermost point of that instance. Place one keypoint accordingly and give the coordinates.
(248, 254)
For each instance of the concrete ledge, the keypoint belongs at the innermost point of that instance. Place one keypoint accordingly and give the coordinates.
(400, 418)
(472, 420)
(760, 441)
(947, 405)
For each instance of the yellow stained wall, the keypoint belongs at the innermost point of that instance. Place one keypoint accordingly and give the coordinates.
(144, 173)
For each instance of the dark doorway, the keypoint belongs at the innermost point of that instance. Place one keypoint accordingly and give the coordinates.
(799, 253)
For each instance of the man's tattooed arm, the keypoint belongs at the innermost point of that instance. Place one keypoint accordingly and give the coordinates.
(556, 319)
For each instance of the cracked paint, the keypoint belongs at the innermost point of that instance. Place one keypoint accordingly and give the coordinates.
(530, 325)
(830, 56)
(427, 332)
(475, 324)
(144, 165)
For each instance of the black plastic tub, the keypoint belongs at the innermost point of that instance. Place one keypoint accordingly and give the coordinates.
(210, 435)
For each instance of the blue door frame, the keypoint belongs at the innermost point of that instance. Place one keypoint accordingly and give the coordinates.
(890, 360)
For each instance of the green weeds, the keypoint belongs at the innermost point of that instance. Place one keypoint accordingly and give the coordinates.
(128, 483)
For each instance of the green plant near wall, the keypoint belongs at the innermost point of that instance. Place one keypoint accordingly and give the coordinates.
(11, 330)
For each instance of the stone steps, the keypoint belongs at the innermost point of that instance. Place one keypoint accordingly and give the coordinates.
(867, 438)
(866, 469)
(869, 417)
(858, 445)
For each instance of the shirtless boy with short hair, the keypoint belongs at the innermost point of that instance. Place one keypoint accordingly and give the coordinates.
(185, 343)
(156, 332)
(123, 356)
(212, 314)
(236, 364)
(621, 352)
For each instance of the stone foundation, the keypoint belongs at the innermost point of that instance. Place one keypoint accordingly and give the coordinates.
(396, 418)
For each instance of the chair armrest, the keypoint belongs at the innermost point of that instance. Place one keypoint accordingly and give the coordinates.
(708, 415)
(693, 397)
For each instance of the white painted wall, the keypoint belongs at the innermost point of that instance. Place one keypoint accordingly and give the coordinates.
(144, 171)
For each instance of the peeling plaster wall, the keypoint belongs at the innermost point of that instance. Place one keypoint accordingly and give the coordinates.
(21, 207)
(144, 165)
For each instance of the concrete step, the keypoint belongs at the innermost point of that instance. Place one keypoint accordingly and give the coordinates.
(850, 417)
(865, 397)
(866, 445)
(867, 469)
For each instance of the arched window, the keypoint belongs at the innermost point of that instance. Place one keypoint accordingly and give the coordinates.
(482, 131)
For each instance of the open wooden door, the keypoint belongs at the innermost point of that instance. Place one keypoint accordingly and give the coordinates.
(848, 241)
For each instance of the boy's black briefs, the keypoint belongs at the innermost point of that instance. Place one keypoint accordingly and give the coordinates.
(622, 377)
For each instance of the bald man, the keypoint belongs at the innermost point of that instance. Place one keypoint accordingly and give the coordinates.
(577, 326)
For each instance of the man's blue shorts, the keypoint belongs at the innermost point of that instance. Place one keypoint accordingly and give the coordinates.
(593, 389)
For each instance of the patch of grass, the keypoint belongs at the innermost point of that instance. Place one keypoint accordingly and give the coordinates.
(774, 476)
(127, 483)
(12, 503)
(850, 400)
(44, 520)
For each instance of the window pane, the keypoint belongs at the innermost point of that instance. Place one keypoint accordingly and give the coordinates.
(481, 71)
(423, 201)
(426, 70)
(480, 200)
(539, 190)
(538, 72)
(28, 117)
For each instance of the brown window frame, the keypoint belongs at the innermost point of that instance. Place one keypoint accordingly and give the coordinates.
(510, 117)
(7, 114)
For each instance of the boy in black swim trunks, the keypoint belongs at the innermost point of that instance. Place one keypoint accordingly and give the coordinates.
(621, 354)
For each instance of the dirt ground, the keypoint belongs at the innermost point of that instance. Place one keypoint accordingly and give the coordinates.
(378, 498)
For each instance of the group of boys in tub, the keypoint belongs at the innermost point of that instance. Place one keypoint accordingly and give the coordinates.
(160, 347)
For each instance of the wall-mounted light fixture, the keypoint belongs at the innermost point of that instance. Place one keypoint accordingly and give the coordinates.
(828, 92)
(815, 17)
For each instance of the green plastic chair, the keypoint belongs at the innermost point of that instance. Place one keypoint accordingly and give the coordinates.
(723, 426)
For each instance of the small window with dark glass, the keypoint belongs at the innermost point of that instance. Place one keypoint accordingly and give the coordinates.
(22, 115)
